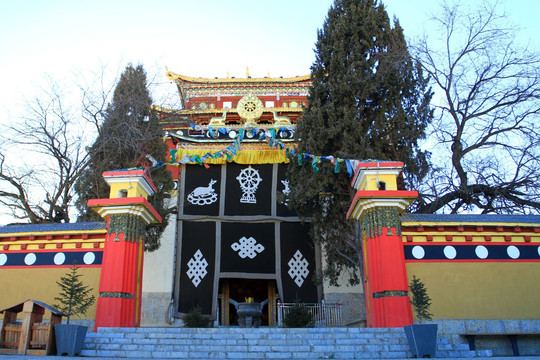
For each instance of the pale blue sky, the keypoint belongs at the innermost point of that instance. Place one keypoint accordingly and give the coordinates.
(204, 38)
(192, 37)
(199, 38)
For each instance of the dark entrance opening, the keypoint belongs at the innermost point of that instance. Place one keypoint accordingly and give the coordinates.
(241, 289)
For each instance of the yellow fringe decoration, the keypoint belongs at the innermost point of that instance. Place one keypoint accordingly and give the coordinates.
(247, 156)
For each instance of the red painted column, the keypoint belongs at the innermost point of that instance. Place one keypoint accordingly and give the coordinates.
(127, 212)
(377, 206)
(120, 287)
(386, 274)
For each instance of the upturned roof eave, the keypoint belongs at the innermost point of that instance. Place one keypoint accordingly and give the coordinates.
(199, 80)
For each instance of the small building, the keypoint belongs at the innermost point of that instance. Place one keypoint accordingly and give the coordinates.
(31, 335)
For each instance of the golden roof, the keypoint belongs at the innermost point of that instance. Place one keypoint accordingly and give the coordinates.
(198, 80)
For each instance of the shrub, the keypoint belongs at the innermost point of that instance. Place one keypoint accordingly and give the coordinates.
(196, 319)
(297, 317)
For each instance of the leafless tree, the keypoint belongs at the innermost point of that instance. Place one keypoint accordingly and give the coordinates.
(485, 141)
(43, 153)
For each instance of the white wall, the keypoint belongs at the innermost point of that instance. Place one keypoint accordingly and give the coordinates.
(158, 277)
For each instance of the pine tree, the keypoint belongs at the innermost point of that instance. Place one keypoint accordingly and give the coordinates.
(298, 316)
(420, 301)
(196, 319)
(130, 131)
(369, 100)
(75, 298)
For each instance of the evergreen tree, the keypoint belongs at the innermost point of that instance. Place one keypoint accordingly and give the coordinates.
(298, 316)
(369, 100)
(74, 297)
(130, 131)
(196, 319)
(420, 301)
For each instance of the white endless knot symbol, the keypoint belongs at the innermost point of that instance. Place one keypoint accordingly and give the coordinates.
(197, 268)
(247, 247)
(298, 268)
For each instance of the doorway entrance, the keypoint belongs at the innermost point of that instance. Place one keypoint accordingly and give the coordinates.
(238, 290)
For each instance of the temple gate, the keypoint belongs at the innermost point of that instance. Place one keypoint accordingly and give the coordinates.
(236, 239)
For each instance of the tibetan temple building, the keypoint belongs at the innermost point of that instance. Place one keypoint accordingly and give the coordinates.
(234, 238)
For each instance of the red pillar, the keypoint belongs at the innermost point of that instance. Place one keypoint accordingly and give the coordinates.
(120, 283)
(377, 205)
(387, 278)
(120, 287)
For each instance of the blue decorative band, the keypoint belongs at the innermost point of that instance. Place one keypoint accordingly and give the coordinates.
(56, 258)
(471, 252)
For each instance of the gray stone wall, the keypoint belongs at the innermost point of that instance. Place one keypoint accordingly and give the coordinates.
(154, 308)
(352, 307)
(89, 323)
(452, 329)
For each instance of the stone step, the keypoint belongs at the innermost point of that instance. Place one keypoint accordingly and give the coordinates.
(261, 343)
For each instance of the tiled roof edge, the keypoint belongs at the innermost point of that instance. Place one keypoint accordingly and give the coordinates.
(471, 218)
(79, 226)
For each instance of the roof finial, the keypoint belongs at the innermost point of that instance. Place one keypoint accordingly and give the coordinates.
(227, 74)
(247, 72)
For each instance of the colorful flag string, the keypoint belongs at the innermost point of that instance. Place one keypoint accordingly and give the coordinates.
(268, 136)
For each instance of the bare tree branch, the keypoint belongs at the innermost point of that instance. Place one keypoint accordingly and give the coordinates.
(51, 140)
(488, 114)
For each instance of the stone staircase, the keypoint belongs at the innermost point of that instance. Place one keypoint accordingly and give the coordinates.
(261, 343)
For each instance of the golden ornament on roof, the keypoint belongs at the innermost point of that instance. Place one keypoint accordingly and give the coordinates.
(250, 107)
